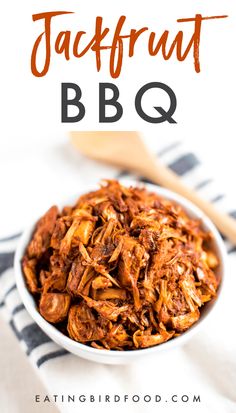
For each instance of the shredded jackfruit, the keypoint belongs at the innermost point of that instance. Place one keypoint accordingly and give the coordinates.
(121, 269)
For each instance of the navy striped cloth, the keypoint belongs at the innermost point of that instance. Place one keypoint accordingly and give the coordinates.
(48, 358)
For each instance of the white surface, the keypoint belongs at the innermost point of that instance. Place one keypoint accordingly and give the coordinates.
(208, 360)
(35, 173)
(19, 383)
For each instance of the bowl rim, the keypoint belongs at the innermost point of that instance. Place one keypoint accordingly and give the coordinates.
(74, 346)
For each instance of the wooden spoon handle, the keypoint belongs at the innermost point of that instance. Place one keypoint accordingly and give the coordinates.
(127, 151)
(162, 175)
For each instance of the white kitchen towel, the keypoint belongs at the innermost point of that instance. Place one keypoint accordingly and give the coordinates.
(200, 376)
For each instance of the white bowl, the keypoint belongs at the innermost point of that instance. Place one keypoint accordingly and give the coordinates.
(114, 356)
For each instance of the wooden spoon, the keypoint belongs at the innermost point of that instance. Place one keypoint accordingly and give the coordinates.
(127, 151)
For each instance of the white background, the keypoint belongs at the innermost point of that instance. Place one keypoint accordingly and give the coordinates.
(33, 143)
(35, 156)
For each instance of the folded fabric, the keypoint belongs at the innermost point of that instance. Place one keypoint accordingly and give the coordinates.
(203, 370)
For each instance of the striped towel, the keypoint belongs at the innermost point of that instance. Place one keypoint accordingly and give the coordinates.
(205, 367)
